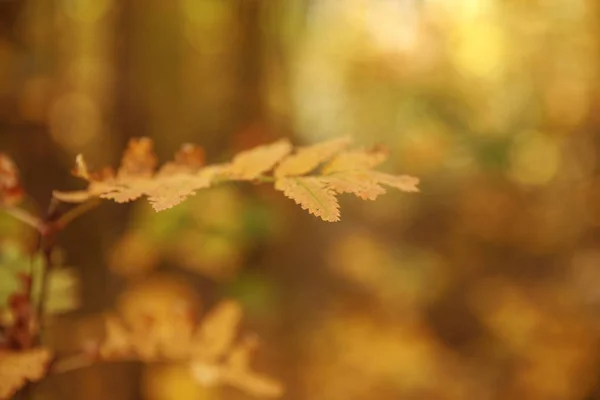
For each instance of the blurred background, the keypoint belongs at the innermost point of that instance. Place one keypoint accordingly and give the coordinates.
(486, 285)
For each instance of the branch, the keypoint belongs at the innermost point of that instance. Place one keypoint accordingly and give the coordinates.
(26, 218)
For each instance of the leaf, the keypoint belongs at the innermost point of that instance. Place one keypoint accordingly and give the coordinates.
(64, 291)
(175, 181)
(173, 189)
(366, 184)
(406, 183)
(239, 374)
(159, 316)
(217, 332)
(117, 342)
(356, 160)
(350, 171)
(189, 158)
(11, 192)
(363, 184)
(312, 194)
(308, 158)
(81, 168)
(211, 352)
(250, 164)
(138, 159)
(16, 368)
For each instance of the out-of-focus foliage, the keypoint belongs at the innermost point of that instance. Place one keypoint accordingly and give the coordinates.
(16, 265)
(231, 228)
(16, 368)
(484, 286)
(157, 323)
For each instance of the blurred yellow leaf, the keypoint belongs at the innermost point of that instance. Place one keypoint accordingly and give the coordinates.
(16, 368)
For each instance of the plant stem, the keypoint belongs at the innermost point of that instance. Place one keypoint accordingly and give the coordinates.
(54, 223)
(72, 363)
(75, 212)
(47, 240)
(26, 218)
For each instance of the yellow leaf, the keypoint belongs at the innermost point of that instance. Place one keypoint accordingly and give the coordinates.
(253, 383)
(138, 159)
(356, 160)
(175, 182)
(216, 332)
(237, 371)
(16, 368)
(360, 183)
(117, 343)
(250, 164)
(159, 315)
(406, 183)
(350, 171)
(81, 168)
(312, 194)
(308, 158)
(64, 291)
(188, 159)
(170, 190)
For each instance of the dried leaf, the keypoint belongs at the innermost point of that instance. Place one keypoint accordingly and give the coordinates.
(16, 368)
(349, 172)
(312, 194)
(238, 373)
(217, 332)
(135, 178)
(81, 168)
(159, 315)
(117, 342)
(250, 164)
(209, 375)
(64, 291)
(308, 158)
(11, 191)
(363, 184)
(189, 158)
(138, 159)
(171, 190)
(406, 183)
(357, 160)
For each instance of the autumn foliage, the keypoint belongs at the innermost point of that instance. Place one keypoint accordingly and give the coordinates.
(295, 173)
(164, 326)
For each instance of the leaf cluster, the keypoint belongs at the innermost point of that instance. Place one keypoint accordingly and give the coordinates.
(312, 176)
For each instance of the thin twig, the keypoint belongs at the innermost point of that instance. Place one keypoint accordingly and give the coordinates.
(54, 223)
(72, 363)
(75, 212)
(26, 218)
(47, 241)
